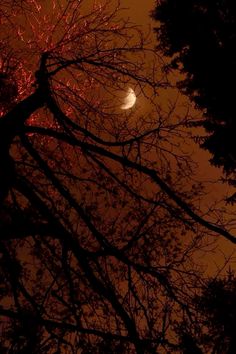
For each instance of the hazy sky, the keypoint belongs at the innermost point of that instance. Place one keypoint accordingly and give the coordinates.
(139, 10)
(139, 13)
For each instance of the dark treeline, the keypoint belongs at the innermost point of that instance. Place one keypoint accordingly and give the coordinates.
(200, 38)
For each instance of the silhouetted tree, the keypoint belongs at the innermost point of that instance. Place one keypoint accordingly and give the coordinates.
(200, 38)
(212, 330)
(99, 220)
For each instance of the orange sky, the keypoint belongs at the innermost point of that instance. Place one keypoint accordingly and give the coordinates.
(139, 13)
(139, 10)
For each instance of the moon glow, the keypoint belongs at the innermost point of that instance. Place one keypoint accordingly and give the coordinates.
(129, 100)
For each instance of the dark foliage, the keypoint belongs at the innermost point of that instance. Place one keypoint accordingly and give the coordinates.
(218, 307)
(200, 38)
(212, 327)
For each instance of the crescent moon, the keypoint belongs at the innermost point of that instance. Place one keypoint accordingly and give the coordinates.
(129, 100)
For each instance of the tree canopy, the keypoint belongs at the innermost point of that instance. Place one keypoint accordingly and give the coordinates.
(200, 37)
(213, 328)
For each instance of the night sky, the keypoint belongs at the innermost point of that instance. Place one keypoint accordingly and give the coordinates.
(210, 175)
